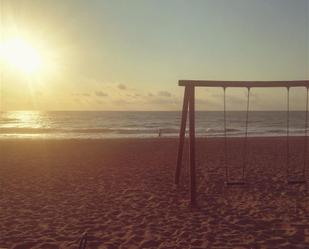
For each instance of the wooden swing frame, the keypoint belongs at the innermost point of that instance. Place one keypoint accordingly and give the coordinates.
(189, 106)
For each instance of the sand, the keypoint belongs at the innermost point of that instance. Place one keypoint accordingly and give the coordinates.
(121, 193)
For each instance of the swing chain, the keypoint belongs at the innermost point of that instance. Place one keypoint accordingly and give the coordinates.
(306, 133)
(305, 139)
(225, 135)
(288, 133)
(245, 138)
(245, 149)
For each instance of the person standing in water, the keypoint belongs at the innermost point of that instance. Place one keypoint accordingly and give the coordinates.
(160, 133)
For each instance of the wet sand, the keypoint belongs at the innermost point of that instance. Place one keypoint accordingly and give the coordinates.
(121, 193)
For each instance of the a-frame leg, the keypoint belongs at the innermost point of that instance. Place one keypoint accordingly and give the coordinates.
(182, 133)
(192, 146)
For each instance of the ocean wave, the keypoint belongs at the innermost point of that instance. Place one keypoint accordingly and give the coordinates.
(31, 130)
(126, 130)
(140, 130)
(26, 130)
(276, 131)
(169, 130)
(213, 130)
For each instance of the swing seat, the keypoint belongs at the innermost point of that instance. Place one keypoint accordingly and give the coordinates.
(300, 179)
(239, 181)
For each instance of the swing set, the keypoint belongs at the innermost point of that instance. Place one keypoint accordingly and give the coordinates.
(189, 106)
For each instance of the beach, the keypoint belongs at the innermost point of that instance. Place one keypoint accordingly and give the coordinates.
(122, 193)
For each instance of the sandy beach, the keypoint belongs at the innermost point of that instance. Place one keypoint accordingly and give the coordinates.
(121, 192)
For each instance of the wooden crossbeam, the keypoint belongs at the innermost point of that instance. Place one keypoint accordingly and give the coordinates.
(248, 84)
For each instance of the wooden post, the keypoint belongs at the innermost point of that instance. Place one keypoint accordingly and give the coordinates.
(182, 134)
(192, 145)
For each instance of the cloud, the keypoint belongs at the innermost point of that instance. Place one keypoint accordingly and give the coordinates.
(122, 87)
(122, 102)
(81, 94)
(164, 94)
(101, 94)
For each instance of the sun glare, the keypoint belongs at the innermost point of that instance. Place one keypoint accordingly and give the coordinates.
(21, 55)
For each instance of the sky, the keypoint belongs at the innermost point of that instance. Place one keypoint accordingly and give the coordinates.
(129, 55)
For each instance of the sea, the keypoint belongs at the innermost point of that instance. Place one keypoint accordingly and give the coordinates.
(132, 124)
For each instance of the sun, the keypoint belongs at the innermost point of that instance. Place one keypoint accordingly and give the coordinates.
(21, 55)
